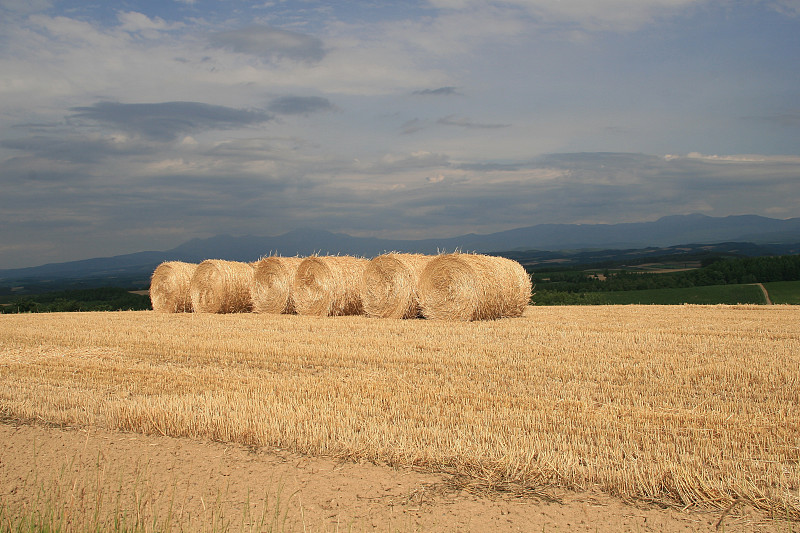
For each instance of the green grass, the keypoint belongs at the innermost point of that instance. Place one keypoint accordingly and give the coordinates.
(784, 292)
(715, 294)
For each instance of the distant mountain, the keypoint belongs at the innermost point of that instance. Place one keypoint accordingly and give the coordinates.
(614, 257)
(665, 232)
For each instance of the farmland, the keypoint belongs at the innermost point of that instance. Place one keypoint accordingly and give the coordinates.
(784, 292)
(689, 406)
(713, 294)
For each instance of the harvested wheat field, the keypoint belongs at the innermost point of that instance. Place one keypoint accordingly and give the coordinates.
(692, 408)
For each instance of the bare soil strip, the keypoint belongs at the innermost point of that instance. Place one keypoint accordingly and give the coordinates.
(202, 482)
(766, 294)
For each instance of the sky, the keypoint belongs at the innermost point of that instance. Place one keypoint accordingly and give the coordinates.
(138, 125)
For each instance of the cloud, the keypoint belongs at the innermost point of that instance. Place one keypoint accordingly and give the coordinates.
(786, 7)
(137, 22)
(442, 108)
(157, 196)
(412, 126)
(738, 158)
(25, 7)
(591, 15)
(490, 167)
(74, 149)
(441, 91)
(167, 120)
(271, 43)
(400, 162)
(788, 119)
(464, 122)
(300, 105)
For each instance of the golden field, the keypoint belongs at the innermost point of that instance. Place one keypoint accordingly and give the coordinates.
(682, 405)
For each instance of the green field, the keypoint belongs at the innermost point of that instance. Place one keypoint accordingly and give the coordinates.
(715, 294)
(784, 292)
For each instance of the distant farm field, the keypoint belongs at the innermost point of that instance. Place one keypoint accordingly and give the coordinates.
(708, 295)
(784, 292)
(691, 406)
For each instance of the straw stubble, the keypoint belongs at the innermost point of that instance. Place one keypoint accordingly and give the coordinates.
(684, 405)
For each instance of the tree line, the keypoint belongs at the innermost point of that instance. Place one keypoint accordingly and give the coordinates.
(101, 299)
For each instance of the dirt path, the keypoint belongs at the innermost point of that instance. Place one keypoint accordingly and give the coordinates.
(766, 294)
(208, 479)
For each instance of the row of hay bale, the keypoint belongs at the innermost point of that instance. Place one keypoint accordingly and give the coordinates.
(394, 285)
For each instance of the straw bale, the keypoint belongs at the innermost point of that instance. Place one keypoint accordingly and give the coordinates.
(389, 285)
(220, 286)
(329, 286)
(272, 283)
(473, 287)
(169, 287)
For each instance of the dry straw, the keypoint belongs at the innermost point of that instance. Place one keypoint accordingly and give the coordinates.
(389, 285)
(222, 287)
(169, 287)
(473, 287)
(329, 286)
(272, 282)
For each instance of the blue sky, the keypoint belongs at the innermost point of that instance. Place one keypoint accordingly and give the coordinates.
(128, 126)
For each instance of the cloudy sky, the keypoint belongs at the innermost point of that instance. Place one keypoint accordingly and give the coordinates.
(137, 125)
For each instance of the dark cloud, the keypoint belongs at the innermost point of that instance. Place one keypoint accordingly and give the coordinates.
(412, 126)
(167, 120)
(464, 122)
(441, 91)
(300, 105)
(73, 150)
(491, 167)
(790, 119)
(271, 43)
(221, 190)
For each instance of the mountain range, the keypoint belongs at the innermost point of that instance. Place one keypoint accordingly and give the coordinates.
(664, 232)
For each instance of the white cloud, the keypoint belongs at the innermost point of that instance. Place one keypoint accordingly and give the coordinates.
(787, 7)
(739, 158)
(132, 21)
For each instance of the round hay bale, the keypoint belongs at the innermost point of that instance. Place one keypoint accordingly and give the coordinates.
(272, 283)
(222, 287)
(169, 287)
(389, 285)
(329, 286)
(473, 287)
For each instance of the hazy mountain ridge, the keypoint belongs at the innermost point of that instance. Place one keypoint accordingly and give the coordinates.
(665, 232)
